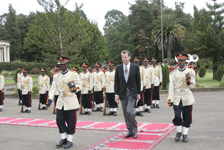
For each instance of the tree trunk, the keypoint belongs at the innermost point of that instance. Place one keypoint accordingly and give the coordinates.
(214, 67)
(168, 53)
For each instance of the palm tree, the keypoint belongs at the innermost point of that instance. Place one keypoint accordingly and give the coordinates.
(172, 32)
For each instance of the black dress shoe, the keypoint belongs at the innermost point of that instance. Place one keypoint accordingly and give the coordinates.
(88, 113)
(136, 113)
(68, 145)
(185, 139)
(141, 114)
(85, 113)
(135, 135)
(101, 109)
(28, 111)
(98, 109)
(146, 110)
(62, 142)
(115, 113)
(157, 106)
(110, 113)
(153, 106)
(178, 135)
(128, 135)
(149, 111)
(1, 109)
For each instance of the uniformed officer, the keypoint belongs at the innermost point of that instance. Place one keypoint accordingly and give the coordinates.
(140, 103)
(44, 87)
(109, 77)
(19, 76)
(90, 69)
(2, 84)
(86, 89)
(148, 83)
(181, 97)
(66, 83)
(158, 78)
(26, 86)
(98, 80)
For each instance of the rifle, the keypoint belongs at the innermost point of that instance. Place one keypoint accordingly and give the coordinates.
(54, 107)
(80, 111)
(39, 104)
(22, 107)
(105, 106)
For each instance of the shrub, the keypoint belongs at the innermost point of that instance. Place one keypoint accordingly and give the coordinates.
(202, 71)
(166, 72)
(222, 82)
(35, 89)
(35, 71)
(219, 73)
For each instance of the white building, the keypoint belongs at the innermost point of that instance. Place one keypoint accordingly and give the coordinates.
(4, 51)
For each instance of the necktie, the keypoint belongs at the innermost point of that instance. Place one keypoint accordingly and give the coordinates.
(126, 70)
(126, 73)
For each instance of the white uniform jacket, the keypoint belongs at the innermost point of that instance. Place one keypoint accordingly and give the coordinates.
(109, 77)
(149, 77)
(178, 88)
(43, 84)
(66, 98)
(2, 83)
(158, 77)
(98, 80)
(54, 76)
(86, 82)
(142, 74)
(19, 76)
(26, 84)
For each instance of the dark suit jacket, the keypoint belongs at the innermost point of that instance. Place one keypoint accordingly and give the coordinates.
(133, 84)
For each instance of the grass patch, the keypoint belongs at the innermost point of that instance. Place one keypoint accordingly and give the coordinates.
(11, 81)
(207, 81)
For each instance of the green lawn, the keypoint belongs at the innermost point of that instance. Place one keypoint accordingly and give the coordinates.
(207, 81)
(11, 81)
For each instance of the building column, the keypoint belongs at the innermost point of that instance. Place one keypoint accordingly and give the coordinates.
(5, 58)
(8, 54)
(0, 55)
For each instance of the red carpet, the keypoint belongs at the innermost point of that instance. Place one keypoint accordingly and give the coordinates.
(149, 134)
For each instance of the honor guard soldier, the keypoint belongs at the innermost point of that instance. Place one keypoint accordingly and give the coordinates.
(148, 84)
(98, 80)
(44, 86)
(2, 84)
(140, 103)
(109, 77)
(86, 90)
(26, 86)
(90, 69)
(157, 81)
(181, 97)
(19, 76)
(66, 83)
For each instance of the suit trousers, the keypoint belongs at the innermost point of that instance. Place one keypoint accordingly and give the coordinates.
(43, 98)
(129, 113)
(68, 116)
(27, 100)
(111, 101)
(186, 112)
(86, 101)
(148, 96)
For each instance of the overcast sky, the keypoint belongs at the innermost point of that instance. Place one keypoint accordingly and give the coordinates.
(95, 9)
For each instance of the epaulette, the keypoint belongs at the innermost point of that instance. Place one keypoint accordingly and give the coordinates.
(57, 72)
(29, 76)
(73, 70)
(172, 71)
(47, 76)
(158, 65)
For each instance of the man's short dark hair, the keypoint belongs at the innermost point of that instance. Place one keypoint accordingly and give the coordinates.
(126, 51)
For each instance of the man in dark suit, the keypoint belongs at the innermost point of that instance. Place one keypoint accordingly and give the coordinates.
(127, 87)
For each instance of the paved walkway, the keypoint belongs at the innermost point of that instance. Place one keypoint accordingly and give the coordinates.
(206, 132)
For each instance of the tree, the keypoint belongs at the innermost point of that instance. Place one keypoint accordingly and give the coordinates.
(12, 34)
(113, 17)
(207, 37)
(143, 44)
(172, 32)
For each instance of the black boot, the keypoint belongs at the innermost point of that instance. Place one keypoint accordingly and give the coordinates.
(141, 114)
(178, 135)
(68, 145)
(115, 113)
(157, 106)
(61, 142)
(153, 106)
(185, 139)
